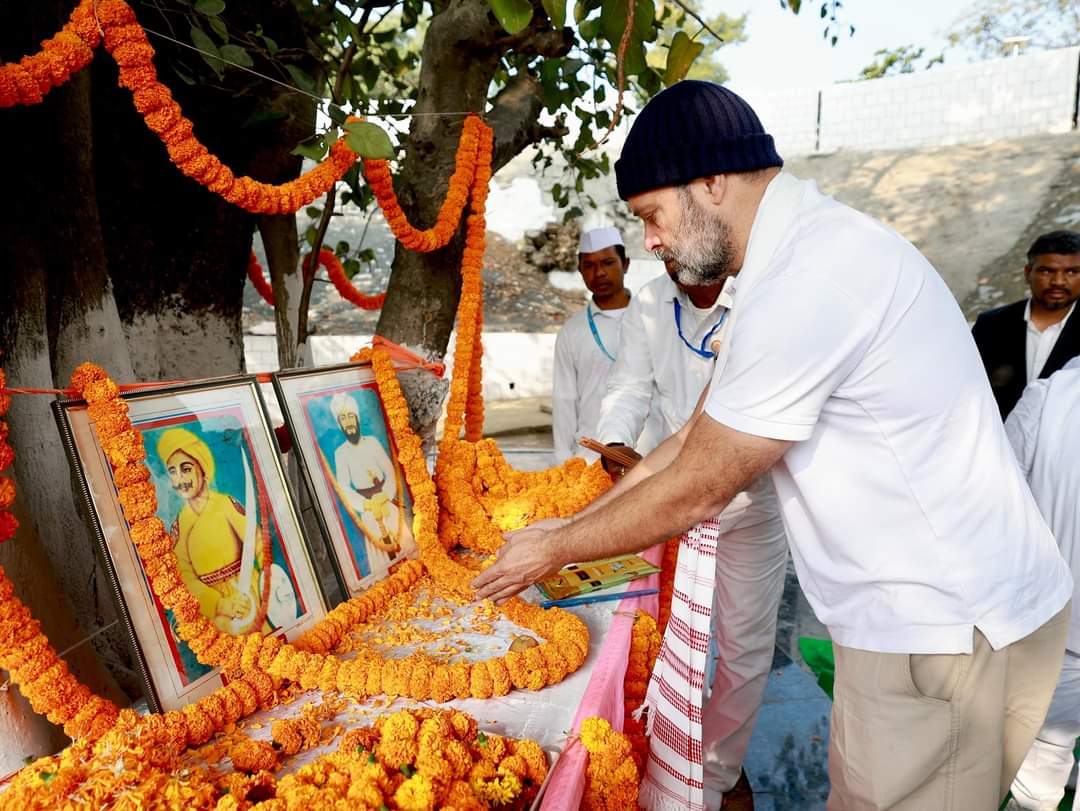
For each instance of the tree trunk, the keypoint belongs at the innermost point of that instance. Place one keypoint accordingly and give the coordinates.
(58, 311)
(462, 51)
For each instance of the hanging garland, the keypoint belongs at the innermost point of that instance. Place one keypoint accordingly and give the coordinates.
(644, 648)
(28, 80)
(611, 777)
(334, 271)
(70, 50)
(468, 158)
(258, 280)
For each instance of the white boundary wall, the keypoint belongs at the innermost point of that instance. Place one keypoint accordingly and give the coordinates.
(996, 98)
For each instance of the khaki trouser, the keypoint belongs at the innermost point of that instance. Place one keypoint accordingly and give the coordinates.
(940, 732)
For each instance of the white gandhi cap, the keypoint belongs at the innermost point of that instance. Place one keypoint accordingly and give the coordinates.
(599, 238)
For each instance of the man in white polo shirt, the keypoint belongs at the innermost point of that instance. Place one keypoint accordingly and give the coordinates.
(1045, 434)
(847, 370)
(666, 352)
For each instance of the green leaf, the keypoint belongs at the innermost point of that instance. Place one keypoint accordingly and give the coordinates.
(302, 79)
(271, 45)
(680, 57)
(219, 27)
(208, 50)
(367, 255)
(313, 148)
(351, 267)
(371, 759)
(341, 248)
(313, 212)
(481, 739)
(46, 777)
(513, 15)
(211, 8)
(368, 140)
(407, 769)
(184, 75)
(613, 17)
(337, 115)
(236, 55)
(590, 29)
(794, 5)
(556, 11)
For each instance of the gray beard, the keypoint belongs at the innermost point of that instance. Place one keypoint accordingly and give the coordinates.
(705, 252)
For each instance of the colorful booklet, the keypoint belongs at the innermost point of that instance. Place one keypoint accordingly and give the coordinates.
(582, 578)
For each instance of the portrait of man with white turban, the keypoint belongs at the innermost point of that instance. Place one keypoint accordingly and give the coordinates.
(366, 483)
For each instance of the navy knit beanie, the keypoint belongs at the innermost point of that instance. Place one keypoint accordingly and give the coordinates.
(692, 129)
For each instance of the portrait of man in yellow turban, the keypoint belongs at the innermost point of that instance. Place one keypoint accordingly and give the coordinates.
(212, 533)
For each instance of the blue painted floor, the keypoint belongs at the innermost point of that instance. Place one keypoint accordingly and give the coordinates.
(788, 755)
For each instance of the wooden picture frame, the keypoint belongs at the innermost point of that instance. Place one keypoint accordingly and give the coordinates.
(357, 486)
(214, 461)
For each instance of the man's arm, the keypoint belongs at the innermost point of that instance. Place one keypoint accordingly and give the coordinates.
(714, 464)
(630, 386)
(564, 397)
(1022, 424)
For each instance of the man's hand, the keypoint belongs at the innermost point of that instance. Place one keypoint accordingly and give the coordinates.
(526, 557)
(614, 469)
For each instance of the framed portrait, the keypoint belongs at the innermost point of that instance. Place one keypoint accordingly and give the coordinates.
(222, 494)
(347, 454)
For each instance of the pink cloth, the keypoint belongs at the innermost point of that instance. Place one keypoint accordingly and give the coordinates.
(604, 696)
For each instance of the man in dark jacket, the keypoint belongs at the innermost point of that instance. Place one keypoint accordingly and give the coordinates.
(1035, 337)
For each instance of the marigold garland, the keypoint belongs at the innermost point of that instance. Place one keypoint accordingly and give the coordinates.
(411, 760)
(336, 273)
(644, 648)
(69, 51)
(463, 183)
(611, 778)
(258, 280)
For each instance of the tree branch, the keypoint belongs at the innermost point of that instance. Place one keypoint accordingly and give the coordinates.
(697, 17)
(514, 118)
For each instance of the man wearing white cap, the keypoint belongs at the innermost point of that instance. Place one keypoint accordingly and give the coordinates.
(586, 346)
(367, 484)
(667, 353)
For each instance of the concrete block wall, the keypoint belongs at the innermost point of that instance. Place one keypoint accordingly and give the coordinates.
(997, 98)
(791, 116)
(516, 364)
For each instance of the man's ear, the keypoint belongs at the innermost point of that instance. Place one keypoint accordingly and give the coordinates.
(716, 187)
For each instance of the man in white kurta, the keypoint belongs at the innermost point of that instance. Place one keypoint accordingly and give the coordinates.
(586, 347)
(366, 480)
(666, 347)
(1045, 433)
